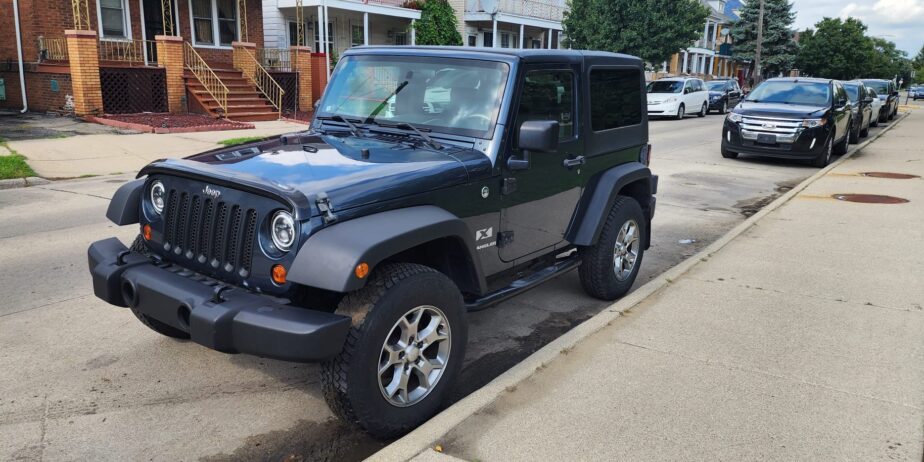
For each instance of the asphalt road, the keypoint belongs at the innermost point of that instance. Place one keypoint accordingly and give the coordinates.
(83, 380)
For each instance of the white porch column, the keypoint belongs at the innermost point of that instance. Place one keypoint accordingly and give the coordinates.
(706, 34)
(366, 28)
(709, 69)
(327, 44)
(684, 68)
(320, 47)
(521, 36)
(550, 40)
(413, 32)
(664, 66)
(494, 33)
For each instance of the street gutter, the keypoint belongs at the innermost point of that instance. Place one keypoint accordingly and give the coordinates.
(427, 436)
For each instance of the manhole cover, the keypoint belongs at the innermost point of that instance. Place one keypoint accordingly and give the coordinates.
(869, 198)
(890, 175)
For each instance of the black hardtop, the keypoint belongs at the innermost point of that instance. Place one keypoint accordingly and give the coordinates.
(501, 54)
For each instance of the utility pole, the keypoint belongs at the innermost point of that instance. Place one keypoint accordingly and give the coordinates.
(760, 44)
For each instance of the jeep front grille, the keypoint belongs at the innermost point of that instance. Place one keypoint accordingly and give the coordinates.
(212, 232)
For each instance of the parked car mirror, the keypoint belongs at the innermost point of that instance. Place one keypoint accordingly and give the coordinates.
(869, 99)
(841, 103)
(538, 136)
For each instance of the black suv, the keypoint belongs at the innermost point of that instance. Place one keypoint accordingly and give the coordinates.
(723, 94)
(433, 182)
(862, 105)
(795, 118)
(889, 96)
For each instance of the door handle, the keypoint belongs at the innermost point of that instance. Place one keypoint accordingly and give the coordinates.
(579, 160)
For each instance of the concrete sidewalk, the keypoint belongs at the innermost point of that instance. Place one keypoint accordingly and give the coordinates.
(104, 154)
(801, 339)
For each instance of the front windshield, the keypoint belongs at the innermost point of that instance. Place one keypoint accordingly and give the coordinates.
(665, 86)
(853, 91)
(716, 85)
(457, 96)
(878, 85)
(790, 92)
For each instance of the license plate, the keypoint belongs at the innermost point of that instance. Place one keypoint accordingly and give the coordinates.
(766, 139)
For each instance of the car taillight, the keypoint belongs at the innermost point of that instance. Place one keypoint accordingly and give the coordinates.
(644, 155)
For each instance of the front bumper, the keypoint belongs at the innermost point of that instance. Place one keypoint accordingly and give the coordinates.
(716, 104)
(663, 109)
(806, 144)
(233, 321)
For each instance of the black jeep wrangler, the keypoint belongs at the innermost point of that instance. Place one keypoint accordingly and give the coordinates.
(433, 182)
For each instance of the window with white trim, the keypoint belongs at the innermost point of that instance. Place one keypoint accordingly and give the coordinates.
(400, 38)
(113, 17)
(317, 36)
(215, 22)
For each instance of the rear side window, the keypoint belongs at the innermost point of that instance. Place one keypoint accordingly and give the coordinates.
(549, 95)
(615, 98)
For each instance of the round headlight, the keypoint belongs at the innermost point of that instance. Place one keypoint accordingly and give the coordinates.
(283, 230)
(158, 196)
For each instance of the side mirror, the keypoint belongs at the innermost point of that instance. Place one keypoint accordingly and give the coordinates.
(840, 103)
(538, 136)
(869, 99)
(895, 93)
(534, 136)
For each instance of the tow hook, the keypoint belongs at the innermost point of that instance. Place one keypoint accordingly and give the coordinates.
(326, 208)
(120, 258)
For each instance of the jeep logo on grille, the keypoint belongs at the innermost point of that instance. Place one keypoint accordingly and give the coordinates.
(213, 193)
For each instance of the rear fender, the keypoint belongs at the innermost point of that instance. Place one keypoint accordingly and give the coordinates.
(633, 179)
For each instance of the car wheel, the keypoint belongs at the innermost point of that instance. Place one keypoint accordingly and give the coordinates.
(865, 131)
(704, 110)
(728, 154)
(681, 111)
(403, 352)
(609, 267)
(824, 158)
(882, 115)
(855, 134)
(723, 108)
(892, 114)
(841, 147)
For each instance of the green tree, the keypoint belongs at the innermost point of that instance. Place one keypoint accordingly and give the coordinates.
(779, 50)
(437, 24)
(836, 49)
(650, 29)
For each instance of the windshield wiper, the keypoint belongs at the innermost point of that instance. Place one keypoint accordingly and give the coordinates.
(406, 126)
(339, 118)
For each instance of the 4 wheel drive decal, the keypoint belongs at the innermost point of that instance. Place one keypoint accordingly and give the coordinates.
(483, 234)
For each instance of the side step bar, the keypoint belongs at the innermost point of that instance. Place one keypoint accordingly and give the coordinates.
(522, 285)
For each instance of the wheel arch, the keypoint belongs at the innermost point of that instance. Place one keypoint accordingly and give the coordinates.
(632, 179)
(426, 235)
(124, 208)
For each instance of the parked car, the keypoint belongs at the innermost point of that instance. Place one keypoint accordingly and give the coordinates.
(861, 103)
(793, 118)
(888, 94)
(676, 96)
(916, 92)
(876, 105)
(363, 242)
(723, 95)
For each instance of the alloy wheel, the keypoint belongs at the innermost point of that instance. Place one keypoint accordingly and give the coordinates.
(414, 356)
(625, 252)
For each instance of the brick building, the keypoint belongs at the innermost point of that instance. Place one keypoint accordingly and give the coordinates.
(118, 56)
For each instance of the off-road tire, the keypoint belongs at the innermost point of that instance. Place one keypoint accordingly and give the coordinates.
(841, 148)
(728, 154)
(702, 112)
(153, 324)
(596, 271)
(681, 111)
(349, 380)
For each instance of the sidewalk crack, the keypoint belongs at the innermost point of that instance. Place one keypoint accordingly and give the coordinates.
(73, 192)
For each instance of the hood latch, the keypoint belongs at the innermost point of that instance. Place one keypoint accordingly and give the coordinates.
(326, 208)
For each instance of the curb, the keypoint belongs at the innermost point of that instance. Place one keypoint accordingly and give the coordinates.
(428, 434)
(22, 182)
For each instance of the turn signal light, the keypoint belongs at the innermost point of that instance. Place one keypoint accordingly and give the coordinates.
(279, 274)
(146, 232)
(362, 270)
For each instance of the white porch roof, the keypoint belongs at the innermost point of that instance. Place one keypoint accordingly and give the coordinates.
(513, 19)
(371, 8)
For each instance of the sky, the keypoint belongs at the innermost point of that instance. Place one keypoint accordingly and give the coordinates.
(900, 21)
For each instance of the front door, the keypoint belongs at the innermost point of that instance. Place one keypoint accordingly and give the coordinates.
(540, 200)
(154, 24)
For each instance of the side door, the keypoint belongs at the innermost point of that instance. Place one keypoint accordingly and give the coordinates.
(688, 96)
(539, 200)
(734, 94)
(700, 95)
(841, 110)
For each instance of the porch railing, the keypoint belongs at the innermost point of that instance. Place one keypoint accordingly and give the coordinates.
(275, 59)
(52, 49)
(552, 10)
(256, 73)
(206, 76)
(128, 51)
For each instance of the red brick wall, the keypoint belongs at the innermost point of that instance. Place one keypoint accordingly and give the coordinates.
(38, 88)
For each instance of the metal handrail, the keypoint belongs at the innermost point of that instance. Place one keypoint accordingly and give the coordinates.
(206, 76)
(52, 49)
(275, 59)
(129, 51)
(257, 74)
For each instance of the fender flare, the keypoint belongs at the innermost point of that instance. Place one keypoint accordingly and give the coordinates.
(329, 258)
(599, 198)
(126, 203)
